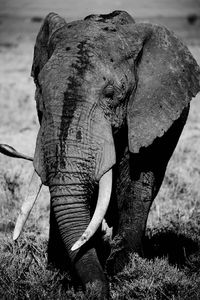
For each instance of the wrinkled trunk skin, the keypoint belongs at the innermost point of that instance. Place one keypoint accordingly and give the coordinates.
(70, 215)
(139, 177)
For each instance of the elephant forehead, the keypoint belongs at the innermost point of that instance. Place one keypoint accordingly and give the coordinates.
(81, 72)
(89, 38)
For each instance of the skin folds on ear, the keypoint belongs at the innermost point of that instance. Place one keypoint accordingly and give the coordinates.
(167, 79)
(51, 24)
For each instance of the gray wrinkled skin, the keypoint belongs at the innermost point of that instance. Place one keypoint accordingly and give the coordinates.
(110, 93)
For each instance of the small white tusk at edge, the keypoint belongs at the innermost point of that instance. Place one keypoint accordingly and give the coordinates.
(105, 188)
(33, 192)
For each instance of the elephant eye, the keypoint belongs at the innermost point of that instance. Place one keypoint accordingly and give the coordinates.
(109, 91)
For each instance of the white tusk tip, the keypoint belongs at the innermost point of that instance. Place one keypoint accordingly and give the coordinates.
(85, 237)
(75, 246)
(15, 236)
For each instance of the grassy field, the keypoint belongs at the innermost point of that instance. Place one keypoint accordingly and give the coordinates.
(171, 267)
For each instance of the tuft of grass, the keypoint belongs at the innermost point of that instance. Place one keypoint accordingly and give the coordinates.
(12, 186)
(178, 242)
(23, 271)
(154, 279)
(11, 191)
(171, 269)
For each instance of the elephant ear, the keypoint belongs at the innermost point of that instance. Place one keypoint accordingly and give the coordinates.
(167, 79)
(51, 24)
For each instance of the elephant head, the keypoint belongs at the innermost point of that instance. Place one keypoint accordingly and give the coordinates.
(95, 78)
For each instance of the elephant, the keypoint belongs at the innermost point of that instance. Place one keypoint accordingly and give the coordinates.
(112, 98)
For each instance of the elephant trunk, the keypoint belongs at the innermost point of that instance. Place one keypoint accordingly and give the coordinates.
(69, 202)
(71, 212)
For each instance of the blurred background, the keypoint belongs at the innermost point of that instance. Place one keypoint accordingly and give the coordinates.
(23, 16)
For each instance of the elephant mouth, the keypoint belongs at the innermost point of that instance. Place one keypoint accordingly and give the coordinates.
(104, 194)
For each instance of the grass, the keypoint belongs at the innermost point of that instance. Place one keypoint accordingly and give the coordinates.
(24, 275)
(23, 272)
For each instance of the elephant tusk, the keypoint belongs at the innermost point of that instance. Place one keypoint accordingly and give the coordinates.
(105, 188)
(10, 151)
(33, 192)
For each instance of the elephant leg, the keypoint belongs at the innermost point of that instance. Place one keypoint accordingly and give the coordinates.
(139, 180)
(133, 212)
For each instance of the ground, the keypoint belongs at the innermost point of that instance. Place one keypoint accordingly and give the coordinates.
(172, 244)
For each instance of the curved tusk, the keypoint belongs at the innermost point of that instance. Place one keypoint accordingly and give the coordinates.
(33, 192)
(10, 151)
(105, 188)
